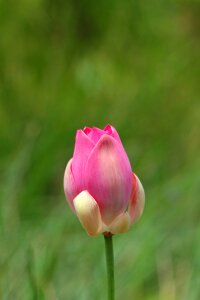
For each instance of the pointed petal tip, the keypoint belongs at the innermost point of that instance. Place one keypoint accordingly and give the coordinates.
(86, 130)
(112, 132)
(108, 128)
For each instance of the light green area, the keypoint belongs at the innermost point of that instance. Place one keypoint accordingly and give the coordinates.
(67, 64)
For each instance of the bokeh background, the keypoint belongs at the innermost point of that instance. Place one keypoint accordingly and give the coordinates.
(67, 64)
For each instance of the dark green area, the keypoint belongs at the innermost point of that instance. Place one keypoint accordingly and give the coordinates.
(67, 64)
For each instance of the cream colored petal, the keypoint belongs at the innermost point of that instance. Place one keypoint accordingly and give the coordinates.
(136, 205)
(88, 213)
(121, 224)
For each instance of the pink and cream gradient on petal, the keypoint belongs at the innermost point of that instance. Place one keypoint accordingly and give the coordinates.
(99, 183)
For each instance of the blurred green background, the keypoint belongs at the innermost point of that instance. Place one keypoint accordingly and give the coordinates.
(67, 64)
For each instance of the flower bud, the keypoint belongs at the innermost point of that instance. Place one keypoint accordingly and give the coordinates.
(99, 184)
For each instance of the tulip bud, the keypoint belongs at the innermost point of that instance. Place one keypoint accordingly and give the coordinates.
(99, 184)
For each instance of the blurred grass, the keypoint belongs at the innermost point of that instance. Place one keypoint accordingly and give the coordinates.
(67, 64)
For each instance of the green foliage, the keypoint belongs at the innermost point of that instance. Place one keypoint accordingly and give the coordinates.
(67, 64)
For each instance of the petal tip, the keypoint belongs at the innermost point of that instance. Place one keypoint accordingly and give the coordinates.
(86, 130)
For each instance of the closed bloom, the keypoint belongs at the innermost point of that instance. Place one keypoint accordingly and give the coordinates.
(99, 183)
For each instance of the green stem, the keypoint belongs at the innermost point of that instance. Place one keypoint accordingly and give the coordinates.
(110, 266)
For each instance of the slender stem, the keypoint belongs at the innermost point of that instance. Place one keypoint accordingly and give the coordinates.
(110, 266)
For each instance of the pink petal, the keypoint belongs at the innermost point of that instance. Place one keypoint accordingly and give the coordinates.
(95, 134)
(69, 184)
(137, 200)
(86, 130)
(83, 148)
(108, 177)
(113, 132)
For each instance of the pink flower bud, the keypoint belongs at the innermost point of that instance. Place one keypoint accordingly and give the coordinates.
(99, 184)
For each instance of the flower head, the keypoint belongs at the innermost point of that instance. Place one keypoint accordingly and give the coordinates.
(99, 184)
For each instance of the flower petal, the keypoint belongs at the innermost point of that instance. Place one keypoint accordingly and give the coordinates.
(121, 224)
(87, 130)
(83, 148)
(95, 134)
(113, 132)
(137, 200)
(108, 177)
(69, 184)
(88, 213)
